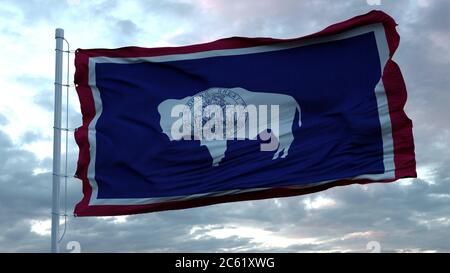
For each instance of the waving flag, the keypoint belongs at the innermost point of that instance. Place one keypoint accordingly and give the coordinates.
(241, 119)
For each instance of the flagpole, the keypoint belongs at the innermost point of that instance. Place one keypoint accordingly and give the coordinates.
(59, 37)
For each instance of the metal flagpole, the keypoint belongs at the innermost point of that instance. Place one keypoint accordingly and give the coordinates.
(59, 36)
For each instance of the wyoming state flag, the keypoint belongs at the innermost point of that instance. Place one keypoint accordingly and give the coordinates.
(241, 119)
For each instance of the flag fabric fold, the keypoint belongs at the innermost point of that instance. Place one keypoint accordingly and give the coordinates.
(241, 119)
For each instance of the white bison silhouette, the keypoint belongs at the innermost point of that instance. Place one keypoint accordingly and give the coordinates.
(284, 118)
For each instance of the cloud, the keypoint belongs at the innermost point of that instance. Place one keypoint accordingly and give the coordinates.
(402, 217)
(318, 203)
(127, 27)
(42, 228)
(3, 120)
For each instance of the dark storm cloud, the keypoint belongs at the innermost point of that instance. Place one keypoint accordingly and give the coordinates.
(123, 30)
(17, 169)
(127, 27)
(127, 32)
(23, 197)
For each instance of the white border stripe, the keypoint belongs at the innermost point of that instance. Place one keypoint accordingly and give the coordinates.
(383, 111)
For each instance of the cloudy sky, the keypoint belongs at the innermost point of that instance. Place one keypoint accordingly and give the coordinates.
(408, 216)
